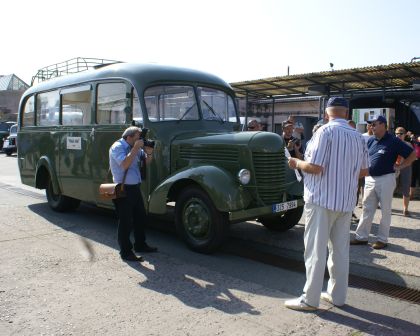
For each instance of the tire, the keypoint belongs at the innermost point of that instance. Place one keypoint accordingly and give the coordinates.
(202, 227)
(283, 222)
(8, 153)
(59, 202)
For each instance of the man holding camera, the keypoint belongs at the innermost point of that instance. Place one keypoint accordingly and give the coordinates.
(293, 145)
(124, 157)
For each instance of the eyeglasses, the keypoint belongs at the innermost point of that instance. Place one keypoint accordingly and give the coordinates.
(399, 133)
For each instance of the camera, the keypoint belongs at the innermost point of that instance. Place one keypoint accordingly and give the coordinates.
(147, 143)
(296, 141)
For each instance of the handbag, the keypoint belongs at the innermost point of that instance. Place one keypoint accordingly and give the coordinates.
(110, 191)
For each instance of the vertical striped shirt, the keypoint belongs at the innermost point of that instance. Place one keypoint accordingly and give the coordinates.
(341, 152)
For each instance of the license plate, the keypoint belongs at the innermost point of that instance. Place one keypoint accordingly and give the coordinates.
(280, 207)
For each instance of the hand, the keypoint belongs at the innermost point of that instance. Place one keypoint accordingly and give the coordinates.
(293, 163)
(138, 144)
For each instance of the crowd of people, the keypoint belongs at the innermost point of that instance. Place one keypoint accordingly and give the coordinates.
(333, 184)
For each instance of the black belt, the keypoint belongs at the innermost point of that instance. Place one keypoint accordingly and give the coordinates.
(129, 186)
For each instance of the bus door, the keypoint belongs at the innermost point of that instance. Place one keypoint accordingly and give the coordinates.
(75, 173)
(113, 116)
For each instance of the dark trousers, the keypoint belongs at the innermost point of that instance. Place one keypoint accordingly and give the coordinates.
(131, 216)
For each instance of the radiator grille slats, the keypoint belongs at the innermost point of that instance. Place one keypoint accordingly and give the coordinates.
(209, 154)
(270, 176)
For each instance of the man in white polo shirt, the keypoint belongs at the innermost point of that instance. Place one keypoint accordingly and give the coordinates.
(335, 158)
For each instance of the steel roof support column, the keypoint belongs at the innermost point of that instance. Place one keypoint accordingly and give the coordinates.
(272, 116)
(246, 111)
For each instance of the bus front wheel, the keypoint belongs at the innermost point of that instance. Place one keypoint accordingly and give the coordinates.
(282, 222)
(59, 202)
(198, 222)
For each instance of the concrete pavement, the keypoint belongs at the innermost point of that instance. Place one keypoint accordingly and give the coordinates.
(397, 264)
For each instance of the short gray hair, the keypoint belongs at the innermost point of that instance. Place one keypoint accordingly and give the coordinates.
(131, 131)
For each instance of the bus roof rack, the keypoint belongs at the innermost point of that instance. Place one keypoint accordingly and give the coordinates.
(70, 66)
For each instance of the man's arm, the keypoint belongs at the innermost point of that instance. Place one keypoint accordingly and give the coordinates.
(363, 173)
(307, 167)
(407, 161)
(132, 154)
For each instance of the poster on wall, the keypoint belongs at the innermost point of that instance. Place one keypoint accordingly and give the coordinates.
(362, 116)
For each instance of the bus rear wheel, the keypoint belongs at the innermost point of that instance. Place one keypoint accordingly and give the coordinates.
(58, 202)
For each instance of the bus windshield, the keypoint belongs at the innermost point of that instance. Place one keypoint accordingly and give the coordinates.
(169, 103)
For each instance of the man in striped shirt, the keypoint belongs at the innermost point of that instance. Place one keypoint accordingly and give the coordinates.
(335, 158)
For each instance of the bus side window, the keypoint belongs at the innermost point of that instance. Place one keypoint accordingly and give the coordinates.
(47, 108)
(112, 104)
(29, 112)
(76, 105)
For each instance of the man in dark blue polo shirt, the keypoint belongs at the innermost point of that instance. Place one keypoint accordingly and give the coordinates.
(384, 149)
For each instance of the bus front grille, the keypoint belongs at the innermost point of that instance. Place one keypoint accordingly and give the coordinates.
(270, 176)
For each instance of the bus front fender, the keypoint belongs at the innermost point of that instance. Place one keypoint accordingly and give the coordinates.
(223, 189)
(45, 170)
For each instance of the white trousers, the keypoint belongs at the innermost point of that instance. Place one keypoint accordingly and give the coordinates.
(326, 228)
(378, 189)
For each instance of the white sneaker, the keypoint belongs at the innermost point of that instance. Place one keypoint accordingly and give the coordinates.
(299, 304)
(328, 298)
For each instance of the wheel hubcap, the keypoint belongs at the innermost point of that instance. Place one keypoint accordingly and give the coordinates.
(196, 219)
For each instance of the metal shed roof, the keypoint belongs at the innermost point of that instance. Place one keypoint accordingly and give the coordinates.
(392, 76)
(12, 82)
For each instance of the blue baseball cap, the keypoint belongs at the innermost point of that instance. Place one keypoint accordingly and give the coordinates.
(379, 118)
(337, 101)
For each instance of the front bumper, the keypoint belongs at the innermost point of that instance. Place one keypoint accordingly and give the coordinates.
(243, 215)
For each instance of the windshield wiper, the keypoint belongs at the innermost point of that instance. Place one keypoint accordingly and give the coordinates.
(213, 112)
(186, 112)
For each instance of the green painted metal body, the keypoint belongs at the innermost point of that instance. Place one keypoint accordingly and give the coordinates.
(205, 153)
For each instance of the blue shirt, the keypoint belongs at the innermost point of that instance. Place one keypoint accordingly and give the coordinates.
(384, 152)
(117, 153)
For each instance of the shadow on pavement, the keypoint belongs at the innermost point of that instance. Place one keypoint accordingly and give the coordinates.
(189, 287)
(170, 271)
(370, 322)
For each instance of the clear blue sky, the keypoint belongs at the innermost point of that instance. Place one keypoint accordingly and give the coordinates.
(236, 40)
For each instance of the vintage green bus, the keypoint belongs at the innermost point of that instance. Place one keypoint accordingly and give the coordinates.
(214, 174)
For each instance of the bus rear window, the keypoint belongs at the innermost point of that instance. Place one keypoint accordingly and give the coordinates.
(29, 112)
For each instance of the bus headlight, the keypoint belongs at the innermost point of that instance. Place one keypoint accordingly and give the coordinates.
(244, 176)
